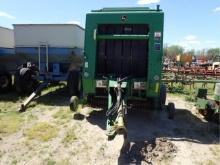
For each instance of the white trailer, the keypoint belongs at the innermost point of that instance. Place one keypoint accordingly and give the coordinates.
(49, 53)
(6, 38)
(7, 58)
(54, 35)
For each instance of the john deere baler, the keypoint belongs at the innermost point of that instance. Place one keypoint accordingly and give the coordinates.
(123, 42)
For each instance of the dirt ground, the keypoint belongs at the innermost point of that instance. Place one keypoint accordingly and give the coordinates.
(58, 139)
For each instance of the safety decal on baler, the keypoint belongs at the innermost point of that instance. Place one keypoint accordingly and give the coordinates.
(157, 35)
(157, 46)
(157, 38)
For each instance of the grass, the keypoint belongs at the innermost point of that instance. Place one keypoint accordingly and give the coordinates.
(50, 162)
(53, 162)
(178, 87)
(189, 93)
(42, 131)
(14, 161)
(70, 137)
(10, 122)
(29, 116)
(210, 162)
(63, 162)
(63, 114)
(191, 97)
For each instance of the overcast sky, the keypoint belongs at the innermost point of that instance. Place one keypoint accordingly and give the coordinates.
(189, 23)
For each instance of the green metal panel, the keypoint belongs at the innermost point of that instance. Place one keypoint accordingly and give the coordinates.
(201, 92)
(120, 9)
(153, 18)
(88, 85)
(122, 37)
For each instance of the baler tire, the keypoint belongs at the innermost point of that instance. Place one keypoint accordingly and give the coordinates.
(55, 83)
(171, 110)
(29, 84)
(163, 96)
(216, 118)
(17, 82)
(5, 82)
(73, 83)
(73, 103)
(208, 112)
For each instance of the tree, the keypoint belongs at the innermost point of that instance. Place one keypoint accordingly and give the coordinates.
(172, 51)
(213, 54)
(165, 48)
(190, 52)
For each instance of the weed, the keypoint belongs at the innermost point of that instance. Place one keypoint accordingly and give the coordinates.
(42, 131)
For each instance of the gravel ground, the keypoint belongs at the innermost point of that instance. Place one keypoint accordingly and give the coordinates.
(152, 137)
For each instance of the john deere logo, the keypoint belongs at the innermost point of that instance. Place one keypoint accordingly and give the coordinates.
(124, 18)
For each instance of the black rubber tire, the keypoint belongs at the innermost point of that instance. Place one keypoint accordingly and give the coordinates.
(163, 96)
(171, 110)
(74, 103)
(216, 118)
(208, 112)
(24, 82)
(74, 83)
(5, 82)
(17, 82)
(55, 83)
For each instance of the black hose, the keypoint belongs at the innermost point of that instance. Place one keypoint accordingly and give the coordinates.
(114, 108)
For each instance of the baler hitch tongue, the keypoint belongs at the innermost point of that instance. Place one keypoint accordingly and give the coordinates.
(32, 96)
(116, 122)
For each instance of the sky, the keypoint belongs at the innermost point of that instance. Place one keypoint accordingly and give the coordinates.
(193, 24)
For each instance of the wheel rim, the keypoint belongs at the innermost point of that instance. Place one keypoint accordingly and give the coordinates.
(79, 86)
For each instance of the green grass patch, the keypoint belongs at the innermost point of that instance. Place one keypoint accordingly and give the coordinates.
(10, 122)
(50, 162)
(70, 137)
(42, 131)
(190, 97)
(189, 93)
(64, 115)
